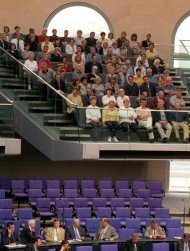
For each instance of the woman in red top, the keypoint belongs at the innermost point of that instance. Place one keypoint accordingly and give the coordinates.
(46, 60)
(65, 65)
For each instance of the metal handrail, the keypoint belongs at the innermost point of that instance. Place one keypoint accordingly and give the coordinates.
(36, 75)
(5, 97)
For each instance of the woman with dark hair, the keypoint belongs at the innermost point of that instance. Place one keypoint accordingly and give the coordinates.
(65, 65)
(14, 52)
(6, 33)
(65, 245)
(134, 44)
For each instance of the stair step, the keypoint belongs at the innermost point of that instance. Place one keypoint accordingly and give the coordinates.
(14, 85)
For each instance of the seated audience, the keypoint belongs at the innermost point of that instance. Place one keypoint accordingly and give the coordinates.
(9, 235)
(107, 97)
(154, 231)
(40, 54)
(79, 38)
(91, 41)
(98, 89)
(76, 101)
(78, 63)
(115, 49)
(25, 53)
(129, 66)
(103, 38)
(55, 233)
(65, 67)
(28, 235)
(65, 39)
(93, 75)
(17, 31)
(105, 48)
(153, 79)
(184, 243)
(65, 245)
(138, 78)
(177, 98)
(113, 85)
(33, 66)
(110, 119)
(86, 97)
(121, 97)
(19, 42)
(147, 41)
(71, 47)
(91, 54)
(6, 33)
(54, 36)
(144, 59)
(161, 121)
(123, 57)
(108, 57)
(3, 43)
(151, 53)
(140, 65)
(49, 44)
(144, 119)
(34, 245)
(75, 232)
(134, 243)
(169, 88)
(134, 44)
(14, 52)
(93, 118)
(154, 101)
(128, 49)
(179, 120)
(148, 87)
(80, 53)
(122, 39)
(45, 59)
(131, 88)
(157, 68)
(83, 86)
(111, 39)
(99, 48)
(93, 62)
(56, 56)
(42, 37)
(58, 84)
(123, 76)
(106, 231)
(78, 72)
(111, 74)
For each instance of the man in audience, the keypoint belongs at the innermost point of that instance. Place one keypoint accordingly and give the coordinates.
(144, 119)
(161, 118)
(99, 48)
(134, 243)
(75, 232)
(31, 64)
(179, 119)
(121, 40)
(184, 243)
(28, 234)
(128, 49)
(79, 38)
(168, 88)
(41, 38)
(45, 59)
(153, 79)
(3, 43)
(91, 41)
(147, 41)
(54, 36)
(76, 100)
(177, 98)
(71, 47)
(123, 76)
(131, 88)
(87, 96)
(121, 97)
(154, 231)
(19, 43)
(106, 231)
(148, 87)
(65, 39)
(9, 235)
(92, 53)
(93, 62)
(154, 101)
(34, 245)
(55, 233)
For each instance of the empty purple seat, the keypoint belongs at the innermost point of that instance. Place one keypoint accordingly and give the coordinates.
(143, 193)
(89, 193)
(109, 247)
(67, 212)
(121, 184)
(105, 184)
(6, 204)
(70, 193)
(35, 184)
(80, 202)
(43, 207)
(162, 213)
(103, 212)
(92, 224)
(6, 184)
(156, 190)
(117, 202)
(134, 224)
(83, 213)
(68, 222)
(160, 246)
(84, 248)
(61, 203)
(173, 223)
(71, 184)
(115, 222)
(136, 203)
(125, 193)
(99, 202)
(53, 194)
(174, 232)
(138, 184)
(126, 233)
(107, 193)
(24, 213)
(88, 184)
(2, 194)
(142, 213)
(33, 195)
(123, 212)
(53, 184)
(6, 214)
(18, 188)
(154, 203)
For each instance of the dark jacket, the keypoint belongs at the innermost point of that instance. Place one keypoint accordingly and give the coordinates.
(130, 246)
(178, 116)
(131, 90)
(61, 87)
(70, 234)
(4, 44)
(151, 89)
(27, 236)
(6, 239)
(89, 65)
(156, 116)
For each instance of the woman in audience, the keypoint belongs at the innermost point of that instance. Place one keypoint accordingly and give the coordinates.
(134, 44)
(78, 63)
(80, 53)
(77, 73)
(50, 45)
(151, 53)
(65, 65)
(107, 97)
(111, 74)
(45, 59)
(98, 89)
(33, 66)
(110, 119)
(56, 56)
(123, 57)
(6, 33)
(157, 68)
(33, 42)
(144, 59)
(111, 39)
(93, 75)
(115, 49)
(138, 78)
(140, 65)
(113, 85)
(112, 63)
(25, 54)
(65, 245)
(103, 38)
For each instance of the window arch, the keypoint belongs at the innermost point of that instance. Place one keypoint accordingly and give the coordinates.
(87, 18)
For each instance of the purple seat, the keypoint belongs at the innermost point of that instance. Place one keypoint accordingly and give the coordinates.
(173, 223)
(154, 203)
(174, 232)
(6, 214)
(53, 194)
(89, 184)
(43, 207)
(60, 204)
(24, 213)
(35, 184)
(107, 193)
(99, 202)
(134, 224)
(125, 193)
(126, 233)
(80, 202)
(143, 193)
(89, 193)
(83, 213)
(68, 222)
(105, 184)
(103, 212)
(70, 193)
(142, 213)
(6, 204)
(92, 224)
(6, 184)
(109, 247)
(2, 194)
(121, 184)
(67, 212)
(160, 246)
(115, 222)
(136, 203)
(71, 184)
(117, 202)
(138, 184)
(156, 190)
(122, 213)
(33, 195)
(18, 188)
(84, 248)
(162, 213)
(53, 184)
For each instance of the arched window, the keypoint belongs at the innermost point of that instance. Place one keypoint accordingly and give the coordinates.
(75, 16)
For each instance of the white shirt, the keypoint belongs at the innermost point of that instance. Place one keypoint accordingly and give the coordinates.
(106, 99)
(92, 113)
(70, 49)
(21, 43)
(120, 100)
(32, 65)
(186, 246)
(78, 40)
(110, 42)
(125, 115)
(55, 234)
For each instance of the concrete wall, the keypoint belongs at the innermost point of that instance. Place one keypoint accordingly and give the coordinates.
(157, 17)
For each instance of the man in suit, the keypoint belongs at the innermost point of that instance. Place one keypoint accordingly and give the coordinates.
(146, 43)
(36, 242)
(154, 231)
(55, 233)
(106, 231)
(28, 234)
(9, 235)
(160, 119)
(134, 244)
(58, 84)
(19, 43)
(148, 87)
(75, 232)
(184, 244)
(3, 42)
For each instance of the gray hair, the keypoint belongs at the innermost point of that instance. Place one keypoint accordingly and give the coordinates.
(32, 221)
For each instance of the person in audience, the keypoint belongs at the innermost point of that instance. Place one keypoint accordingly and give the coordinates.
(98, 89)
(144, 59)
(147, 41)
(127, 116)
(93, 53)
(121, 97)
(179, 120)
(99, 48)
(3, 43)
(17, 31)
(113, 85)
(43, 35)
(140, 65)
(108, 57)
(83, 86)
(56, 56)
(14, 52)
(184, 243)
(58, 84)
(128, 49)
(107, 97)
(138, 78)
(129, 66)
(19, 43)
(153, 79)
(49, 44)
(76, 100)
(151, 53)
(80, 53)
(25, 53)
(123, 76)
(103, 38)
(9, 235)
(177, 98)
(55, 233)
(35, 244)
(134, 243)
(65, 39)
(105, 48)
(40, 54)
(169, 88)
(47, 75)
(45, 59)
(6, 33)
(78, 63)
(93, 62)
(65, 245)
(111, 39)
(161, 121)
(131, 88)
(65, 67)
(154, 101)
(79, 38)
(157, 68)
(54, 36)
(166, 74)
(91, 40)
(154, 231)
(144, 118)
(33, 42)
(78, 72)
(71, 47)
(84, 47)
(123, 57)
(115, 49)
(122, 39)
(60, 72)
(148, 87)
(75, 232)
(134, 44)
(86, 97)
(57, 44)
(33, 66)
(106, 231)
(111, 74)
(93, 75)
(28, 234)
(110, 119)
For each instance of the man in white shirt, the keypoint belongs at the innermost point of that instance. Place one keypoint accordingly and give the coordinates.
(184, 243)
(79, 38)
(75, 232)
(19, 43)
(55, 233)
(93, 117)
(121, 97)
(33, 66)
(71, 47)
(106, 98)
